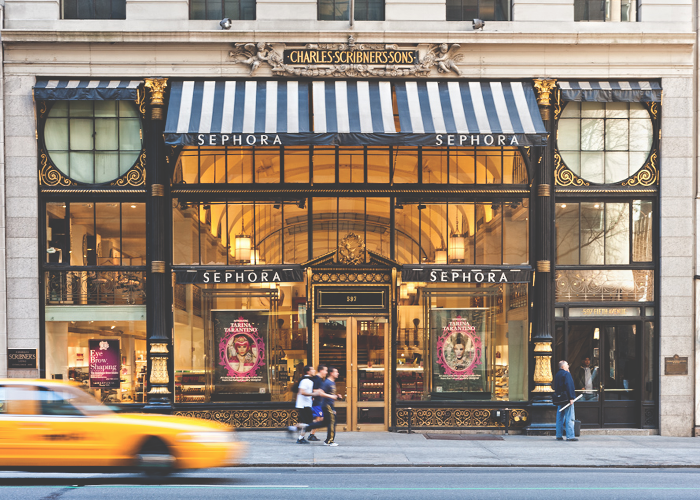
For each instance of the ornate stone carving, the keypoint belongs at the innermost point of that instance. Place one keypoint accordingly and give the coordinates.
(351, 250)
(441, 56)
(544, 91)
(157, 86)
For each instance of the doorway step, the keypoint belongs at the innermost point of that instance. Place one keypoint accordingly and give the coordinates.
(620, 432)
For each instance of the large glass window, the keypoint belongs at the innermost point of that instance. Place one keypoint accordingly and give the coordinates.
(93, 141)
(605, 10)
(218, 9)
(597, 233)
(462, 233)
(239, 343)
(118, 375)
(457, 342)
(486, 10)
(96, 234)
(93, 9)
(350, 165)
(604, 143)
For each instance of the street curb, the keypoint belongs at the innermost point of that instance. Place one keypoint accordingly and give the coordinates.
(476, 466)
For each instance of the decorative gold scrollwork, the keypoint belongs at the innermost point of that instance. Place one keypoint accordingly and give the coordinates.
(648, 175)
(457, 417)
(51, 176)
(653, 108)
(136, 176)
(558, 108)
(141, 101)
(563, 176)
(41, 108)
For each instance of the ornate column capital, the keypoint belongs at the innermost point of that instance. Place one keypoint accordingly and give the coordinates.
(157, 86)
(544, 91)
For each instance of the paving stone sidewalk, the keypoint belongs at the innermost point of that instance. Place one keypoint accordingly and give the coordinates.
(268, 448)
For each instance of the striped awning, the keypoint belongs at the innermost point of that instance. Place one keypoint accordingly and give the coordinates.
(353, 113)
(86, 90)
(611, 91)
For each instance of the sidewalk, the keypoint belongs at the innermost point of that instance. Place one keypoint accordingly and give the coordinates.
(385, 449)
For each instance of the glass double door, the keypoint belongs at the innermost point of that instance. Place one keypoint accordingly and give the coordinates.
(358, 347)
(606, 366)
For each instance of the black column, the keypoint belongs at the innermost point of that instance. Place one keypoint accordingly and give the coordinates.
(542, 412)
(159, 293)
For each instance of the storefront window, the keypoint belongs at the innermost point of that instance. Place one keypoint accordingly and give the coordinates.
(106, 357)
(462, 343)
(350, 165)
(93, 141)
(604, 143)
(605, 285)
(238, 343)
(96, 234)
(596, 233)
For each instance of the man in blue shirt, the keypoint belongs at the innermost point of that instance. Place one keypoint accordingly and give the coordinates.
(316, 409)
(328, 392)
(565, 393)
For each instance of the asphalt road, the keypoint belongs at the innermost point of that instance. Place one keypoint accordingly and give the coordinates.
(405, 483)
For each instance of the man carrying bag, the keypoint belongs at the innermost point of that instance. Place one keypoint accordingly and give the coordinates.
(564, 394)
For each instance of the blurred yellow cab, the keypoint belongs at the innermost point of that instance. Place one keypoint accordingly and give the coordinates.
(53, 424)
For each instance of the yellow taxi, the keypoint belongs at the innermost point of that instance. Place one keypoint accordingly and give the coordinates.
(53, 424)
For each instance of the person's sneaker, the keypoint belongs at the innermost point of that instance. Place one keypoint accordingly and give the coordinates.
(302, 441)
(313, 438)
(560, 439)
(330, 444)
(572, 439)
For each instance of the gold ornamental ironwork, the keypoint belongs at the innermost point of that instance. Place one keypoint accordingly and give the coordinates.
(351, 250)
(50, 175)
(544, 90)
(159, 371)
(136, 175)
(648, 175)
(563, 176)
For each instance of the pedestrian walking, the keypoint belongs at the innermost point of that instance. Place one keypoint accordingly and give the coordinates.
(328, 391)
(316, 408)
(564, 393)
(303, 403)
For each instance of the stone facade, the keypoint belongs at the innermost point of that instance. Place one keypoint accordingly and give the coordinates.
(542, 40)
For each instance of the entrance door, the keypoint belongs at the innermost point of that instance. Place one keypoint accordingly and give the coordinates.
(606, 367)
(358, 347)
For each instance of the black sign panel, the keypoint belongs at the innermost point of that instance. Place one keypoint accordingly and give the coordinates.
(326, 56)
(352, 299)
(241, 274)
(21, 358)
(464, 274)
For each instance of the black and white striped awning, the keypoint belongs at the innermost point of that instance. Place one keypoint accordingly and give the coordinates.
(611, 91)
(353, 113)
(85, 90)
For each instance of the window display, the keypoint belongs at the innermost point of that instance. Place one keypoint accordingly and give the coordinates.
(107, 357)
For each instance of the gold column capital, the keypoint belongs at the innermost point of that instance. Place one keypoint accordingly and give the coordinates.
(544, 266)
(157, 86)
(544, 89)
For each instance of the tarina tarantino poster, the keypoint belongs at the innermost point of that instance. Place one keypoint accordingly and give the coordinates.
(105, 363)
(458, 363)
(241, 364)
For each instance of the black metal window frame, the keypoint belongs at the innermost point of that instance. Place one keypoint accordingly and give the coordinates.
(393, 152)
(215, 10)
(365, 10)
(486, 10)
(93, 9)
(603, 200)
(94, 150)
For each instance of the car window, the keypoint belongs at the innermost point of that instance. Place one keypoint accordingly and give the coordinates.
(57, 402)
(3, 400)
(20, 400)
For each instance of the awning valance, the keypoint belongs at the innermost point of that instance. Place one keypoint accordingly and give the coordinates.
(353, 113)
(611, 91)
(86, 90)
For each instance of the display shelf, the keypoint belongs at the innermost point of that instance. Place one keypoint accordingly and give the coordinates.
(190, 387)
(370, 384)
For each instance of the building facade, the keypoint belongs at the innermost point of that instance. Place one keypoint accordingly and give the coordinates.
(439, 206)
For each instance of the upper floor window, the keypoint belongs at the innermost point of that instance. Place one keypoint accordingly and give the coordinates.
(486, 10)
(94, 9)
(337, 10)
(93, 141)
(240, 10)
(605, 10)
(605, 143)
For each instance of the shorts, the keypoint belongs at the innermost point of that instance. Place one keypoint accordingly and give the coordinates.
(317, 411)
(305, 416)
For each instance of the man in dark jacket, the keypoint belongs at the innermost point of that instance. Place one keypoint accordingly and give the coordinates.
(563, 391)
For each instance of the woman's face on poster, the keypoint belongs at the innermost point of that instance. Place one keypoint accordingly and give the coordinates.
(242, 346)
(459, 351)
